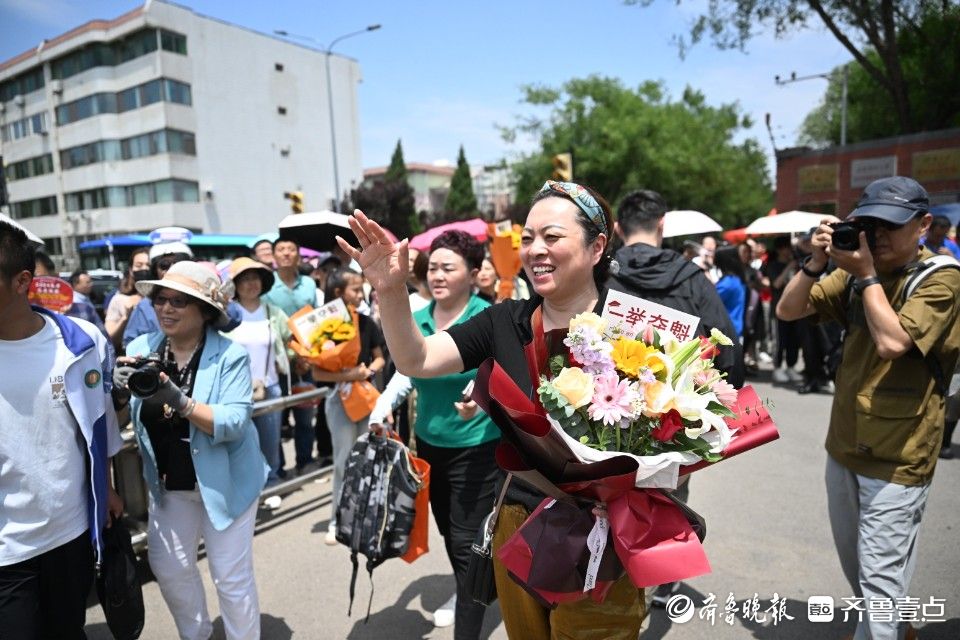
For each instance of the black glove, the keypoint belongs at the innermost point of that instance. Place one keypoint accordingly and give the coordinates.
(172, 395)
(121, 375)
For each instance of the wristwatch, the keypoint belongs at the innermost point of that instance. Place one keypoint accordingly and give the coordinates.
(863, 283)
(809, 272)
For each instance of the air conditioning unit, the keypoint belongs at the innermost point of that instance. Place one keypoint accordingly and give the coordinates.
(56, 86)
(19, 100)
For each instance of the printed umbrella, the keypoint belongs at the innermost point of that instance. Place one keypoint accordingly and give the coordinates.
(789, 222)
(688, 223)
(475, 227)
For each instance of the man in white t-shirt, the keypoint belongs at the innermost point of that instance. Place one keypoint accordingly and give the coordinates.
(57, 432)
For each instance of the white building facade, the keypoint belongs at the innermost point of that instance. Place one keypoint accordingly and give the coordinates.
(163, 117)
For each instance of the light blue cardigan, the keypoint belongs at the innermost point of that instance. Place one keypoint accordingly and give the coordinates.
(231, 471)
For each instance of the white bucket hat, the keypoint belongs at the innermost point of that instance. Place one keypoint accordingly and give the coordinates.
(197, 281)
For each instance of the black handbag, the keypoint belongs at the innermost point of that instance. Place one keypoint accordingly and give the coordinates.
(479, 579)
(118, 585)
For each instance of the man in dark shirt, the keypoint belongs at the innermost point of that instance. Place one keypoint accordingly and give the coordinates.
(665, 277)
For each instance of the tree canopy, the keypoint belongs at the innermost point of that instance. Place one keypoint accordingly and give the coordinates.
(461, 203)
(624, 139)
(388, 200)
(860, 26)
(930, 57)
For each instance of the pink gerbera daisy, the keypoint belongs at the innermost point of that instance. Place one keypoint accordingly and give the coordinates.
(612, 399)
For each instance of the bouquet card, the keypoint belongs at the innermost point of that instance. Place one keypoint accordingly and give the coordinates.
(305, 322)
(627, 315)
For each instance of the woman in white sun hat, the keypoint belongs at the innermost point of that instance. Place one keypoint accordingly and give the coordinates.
(201, 453)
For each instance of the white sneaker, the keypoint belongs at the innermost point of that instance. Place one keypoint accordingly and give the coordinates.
(794, 375)
(443, 617)
(781, 376)
(331, 537)
(273, 502)
(765, 357)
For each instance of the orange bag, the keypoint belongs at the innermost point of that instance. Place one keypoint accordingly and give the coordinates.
(359, 400)
(420, 532)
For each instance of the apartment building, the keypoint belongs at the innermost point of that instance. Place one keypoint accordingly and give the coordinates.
(164, 117)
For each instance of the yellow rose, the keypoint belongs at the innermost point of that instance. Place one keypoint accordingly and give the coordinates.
(591, 320)
(574, 385)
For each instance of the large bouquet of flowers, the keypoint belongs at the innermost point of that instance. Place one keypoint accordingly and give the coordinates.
(616, 420)
(652, 397)
(327, 336)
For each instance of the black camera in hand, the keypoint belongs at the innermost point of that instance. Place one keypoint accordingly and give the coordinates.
(846, 234)
(145, 381)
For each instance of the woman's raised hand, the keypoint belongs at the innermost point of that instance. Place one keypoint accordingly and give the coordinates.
(384, 263)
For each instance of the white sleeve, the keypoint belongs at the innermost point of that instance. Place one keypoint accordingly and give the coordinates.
(396, 392)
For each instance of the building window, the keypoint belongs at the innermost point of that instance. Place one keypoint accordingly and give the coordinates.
(161, 89)
(108, 54)
(135, 195)
(29, 168)
(278, 66)
(147, 144)
(31, 125)
(175, 42)
(53, 246)
(22, 84)
(33, 208)
(282, 111)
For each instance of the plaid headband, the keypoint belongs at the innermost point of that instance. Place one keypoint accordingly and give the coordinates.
(582, 198)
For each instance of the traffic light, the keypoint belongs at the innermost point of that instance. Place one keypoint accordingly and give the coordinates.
(296, 200)
(563, 167)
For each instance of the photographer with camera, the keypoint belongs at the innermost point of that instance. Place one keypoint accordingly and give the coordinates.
(886, 423)
(191, 410)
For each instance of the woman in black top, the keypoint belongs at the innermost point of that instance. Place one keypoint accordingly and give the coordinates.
(564, 252)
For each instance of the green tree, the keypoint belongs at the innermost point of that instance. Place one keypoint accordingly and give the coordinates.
(390, 200)
(859, 25)
(461, 202)
(930, 56)
(398, 168)
(624, 139)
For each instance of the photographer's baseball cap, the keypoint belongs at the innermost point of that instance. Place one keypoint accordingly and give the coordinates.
(897, 200)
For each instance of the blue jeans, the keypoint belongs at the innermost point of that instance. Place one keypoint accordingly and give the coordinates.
(268, 429)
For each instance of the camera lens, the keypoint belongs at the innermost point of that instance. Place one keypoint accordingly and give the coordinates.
(846, 237)
(145, 381)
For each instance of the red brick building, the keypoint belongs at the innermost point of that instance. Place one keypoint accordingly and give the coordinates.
(831, 180)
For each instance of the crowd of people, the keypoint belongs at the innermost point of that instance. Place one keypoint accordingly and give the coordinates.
(218, 337)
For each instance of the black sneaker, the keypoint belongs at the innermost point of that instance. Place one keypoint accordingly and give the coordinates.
(662, 595)
(946, 453)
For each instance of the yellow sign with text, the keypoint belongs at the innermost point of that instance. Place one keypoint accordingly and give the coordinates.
(816, 178)
(939, 164)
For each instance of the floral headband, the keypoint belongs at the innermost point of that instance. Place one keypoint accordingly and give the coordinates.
(582, 198)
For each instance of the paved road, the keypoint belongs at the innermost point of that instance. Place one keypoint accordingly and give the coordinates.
(768, 534)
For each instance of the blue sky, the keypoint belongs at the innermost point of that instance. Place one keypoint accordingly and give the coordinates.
(439, 74)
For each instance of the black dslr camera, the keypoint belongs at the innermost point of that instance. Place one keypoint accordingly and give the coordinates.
(846, 234)
(145, 381)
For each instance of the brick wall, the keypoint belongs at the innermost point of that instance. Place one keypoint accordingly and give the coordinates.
(831, 180)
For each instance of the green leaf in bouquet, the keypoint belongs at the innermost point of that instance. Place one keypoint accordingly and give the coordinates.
(720, 410)
(557, 363)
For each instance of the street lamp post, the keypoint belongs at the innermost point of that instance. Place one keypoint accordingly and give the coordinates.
(327, 51)
(843, 101)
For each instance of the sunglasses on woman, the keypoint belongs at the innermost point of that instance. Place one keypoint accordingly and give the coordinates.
(177, 302)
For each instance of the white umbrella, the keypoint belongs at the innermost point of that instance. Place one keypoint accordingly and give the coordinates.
(688, 223)
(789, 222)
(31, 236)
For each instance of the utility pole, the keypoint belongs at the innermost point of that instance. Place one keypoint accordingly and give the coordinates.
(825, 76)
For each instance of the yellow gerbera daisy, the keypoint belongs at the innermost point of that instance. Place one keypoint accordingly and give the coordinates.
(344, 332)
(630, 356)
